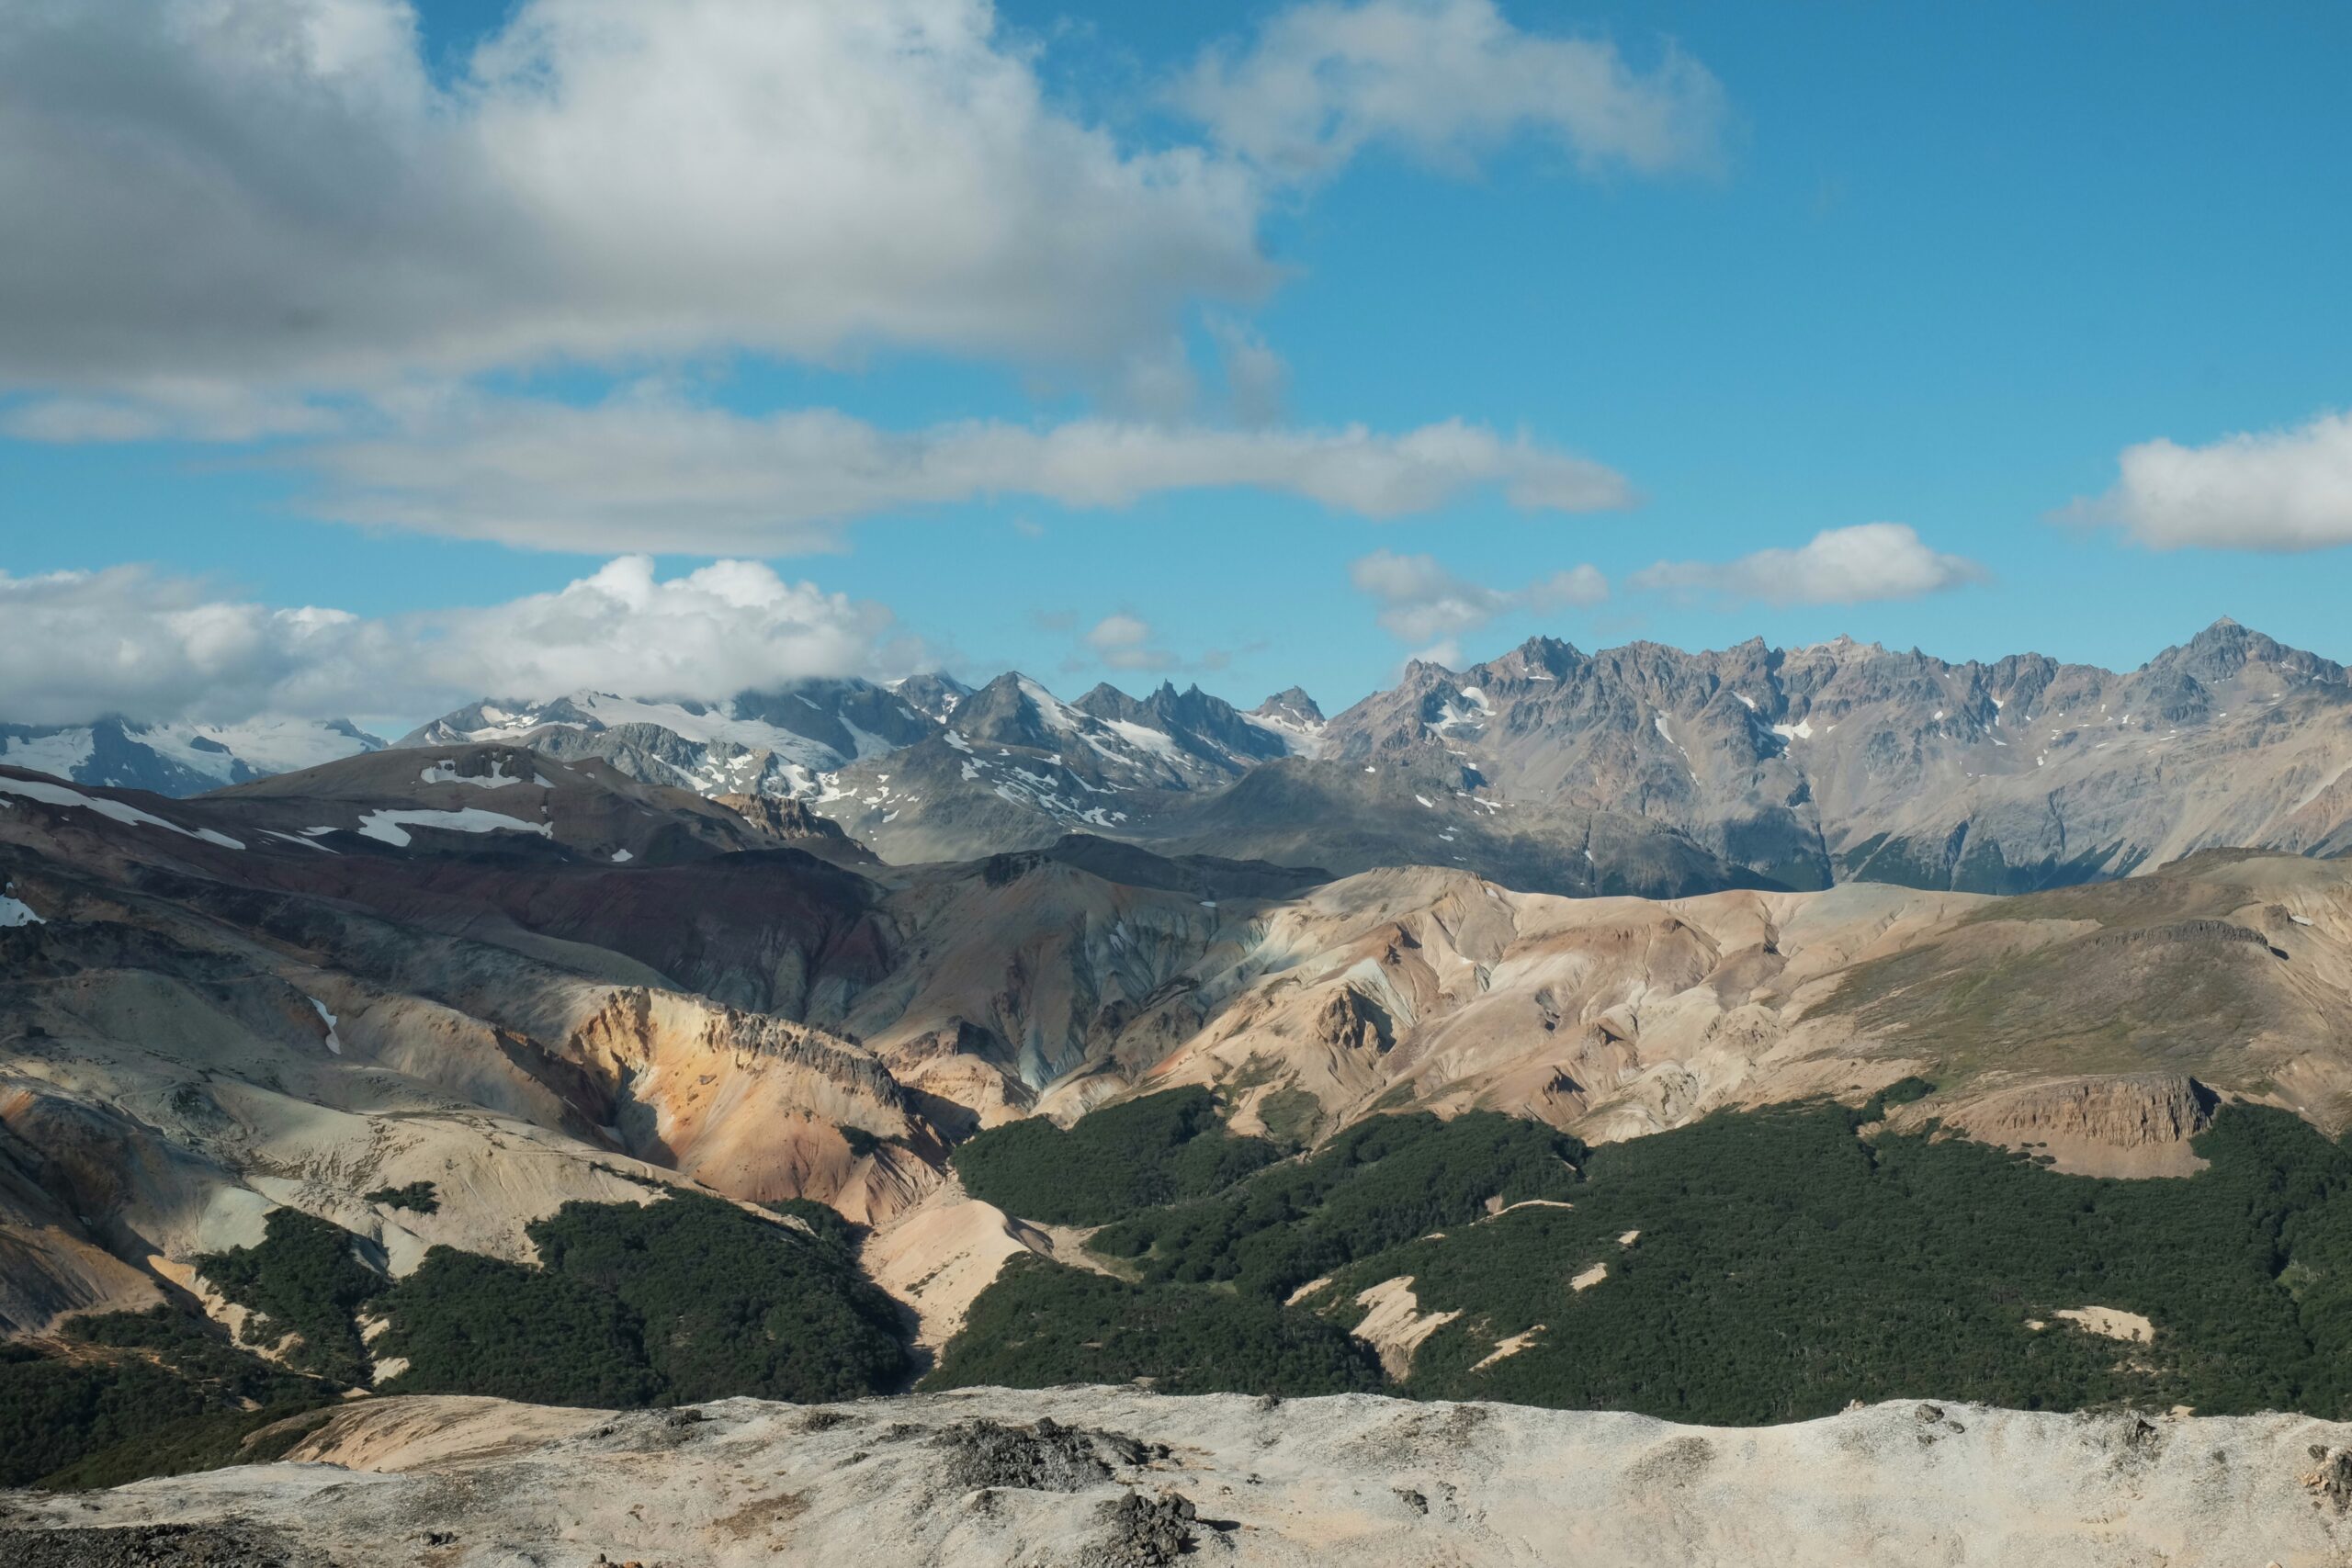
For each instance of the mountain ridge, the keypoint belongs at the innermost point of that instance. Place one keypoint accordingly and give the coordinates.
(1641, 768)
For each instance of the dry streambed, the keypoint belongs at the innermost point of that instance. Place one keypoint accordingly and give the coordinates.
(1114, 1478)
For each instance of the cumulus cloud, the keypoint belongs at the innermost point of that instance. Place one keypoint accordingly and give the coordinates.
(282, 191)
(150, 647)
(1445, 80)
(285, 194)
(646, 472)
(1421, 601)
(1839, 566)
(2287, 490)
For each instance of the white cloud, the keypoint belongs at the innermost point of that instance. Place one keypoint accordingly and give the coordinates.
(645, 472)
(285, 196)
(129, 641)
(1124, 642)
(2287, 490)
(280, 192)
(1113, 633)
(1422, 601)
(1839, 566)
(1445, 80)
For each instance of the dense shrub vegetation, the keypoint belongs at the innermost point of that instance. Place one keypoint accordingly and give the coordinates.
(1163, 1148)
(473, 1324)
(1205, 1313)
(1783, 1267)
(421, 1196)
(682, 1300)
(305, 1279)
(128, 1395)
(1381, 1182)
(1042, 1323)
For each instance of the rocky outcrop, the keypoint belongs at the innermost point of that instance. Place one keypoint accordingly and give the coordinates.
(790, 821)
(1120, 1476)
(2130, 1125)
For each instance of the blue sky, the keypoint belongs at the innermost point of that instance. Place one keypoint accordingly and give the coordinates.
(1926, 266)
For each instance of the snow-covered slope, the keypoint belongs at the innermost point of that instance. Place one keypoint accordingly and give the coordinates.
(1017, 767)
(179, 758)
(776, 743)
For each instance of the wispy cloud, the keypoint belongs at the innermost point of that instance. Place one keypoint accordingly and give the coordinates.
(1445, 80)
(1422, 601)
(646, 472)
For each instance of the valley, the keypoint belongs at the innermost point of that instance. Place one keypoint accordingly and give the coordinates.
(540, 1061)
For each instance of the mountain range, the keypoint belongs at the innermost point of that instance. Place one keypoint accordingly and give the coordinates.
(1641, 769)
(1031, 1042)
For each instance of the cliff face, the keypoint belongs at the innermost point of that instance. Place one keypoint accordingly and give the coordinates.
(2133, 1125)
(1116, 1476)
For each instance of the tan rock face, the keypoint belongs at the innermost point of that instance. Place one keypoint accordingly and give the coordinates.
(1394, 1324)
(2135, 1125)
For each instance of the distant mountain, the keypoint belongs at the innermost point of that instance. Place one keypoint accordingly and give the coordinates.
(179, 758)
(1641, 770)
(1015, 768)
(774, 743)
(1847, 760)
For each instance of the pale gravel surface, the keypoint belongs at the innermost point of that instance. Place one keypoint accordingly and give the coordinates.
(1349, 1482)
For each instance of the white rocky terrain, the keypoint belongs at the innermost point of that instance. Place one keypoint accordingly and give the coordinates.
(1118, 1478)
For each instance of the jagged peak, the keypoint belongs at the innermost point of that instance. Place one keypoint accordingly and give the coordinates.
(1290, 701)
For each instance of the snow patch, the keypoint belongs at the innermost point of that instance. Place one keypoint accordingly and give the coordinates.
(335, 1041)
(113, 810)
(392, 826)
(16, 912)
(57, 755)
(446, 771)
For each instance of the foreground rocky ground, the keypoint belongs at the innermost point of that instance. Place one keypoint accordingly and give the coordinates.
(1108, 1479)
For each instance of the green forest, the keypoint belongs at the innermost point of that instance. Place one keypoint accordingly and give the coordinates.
(670, 1303)
(1787, 1261)
(1754, 1267)
(686, 1299)
(1138, 1154)
(136, 1394)
(682, 1300)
